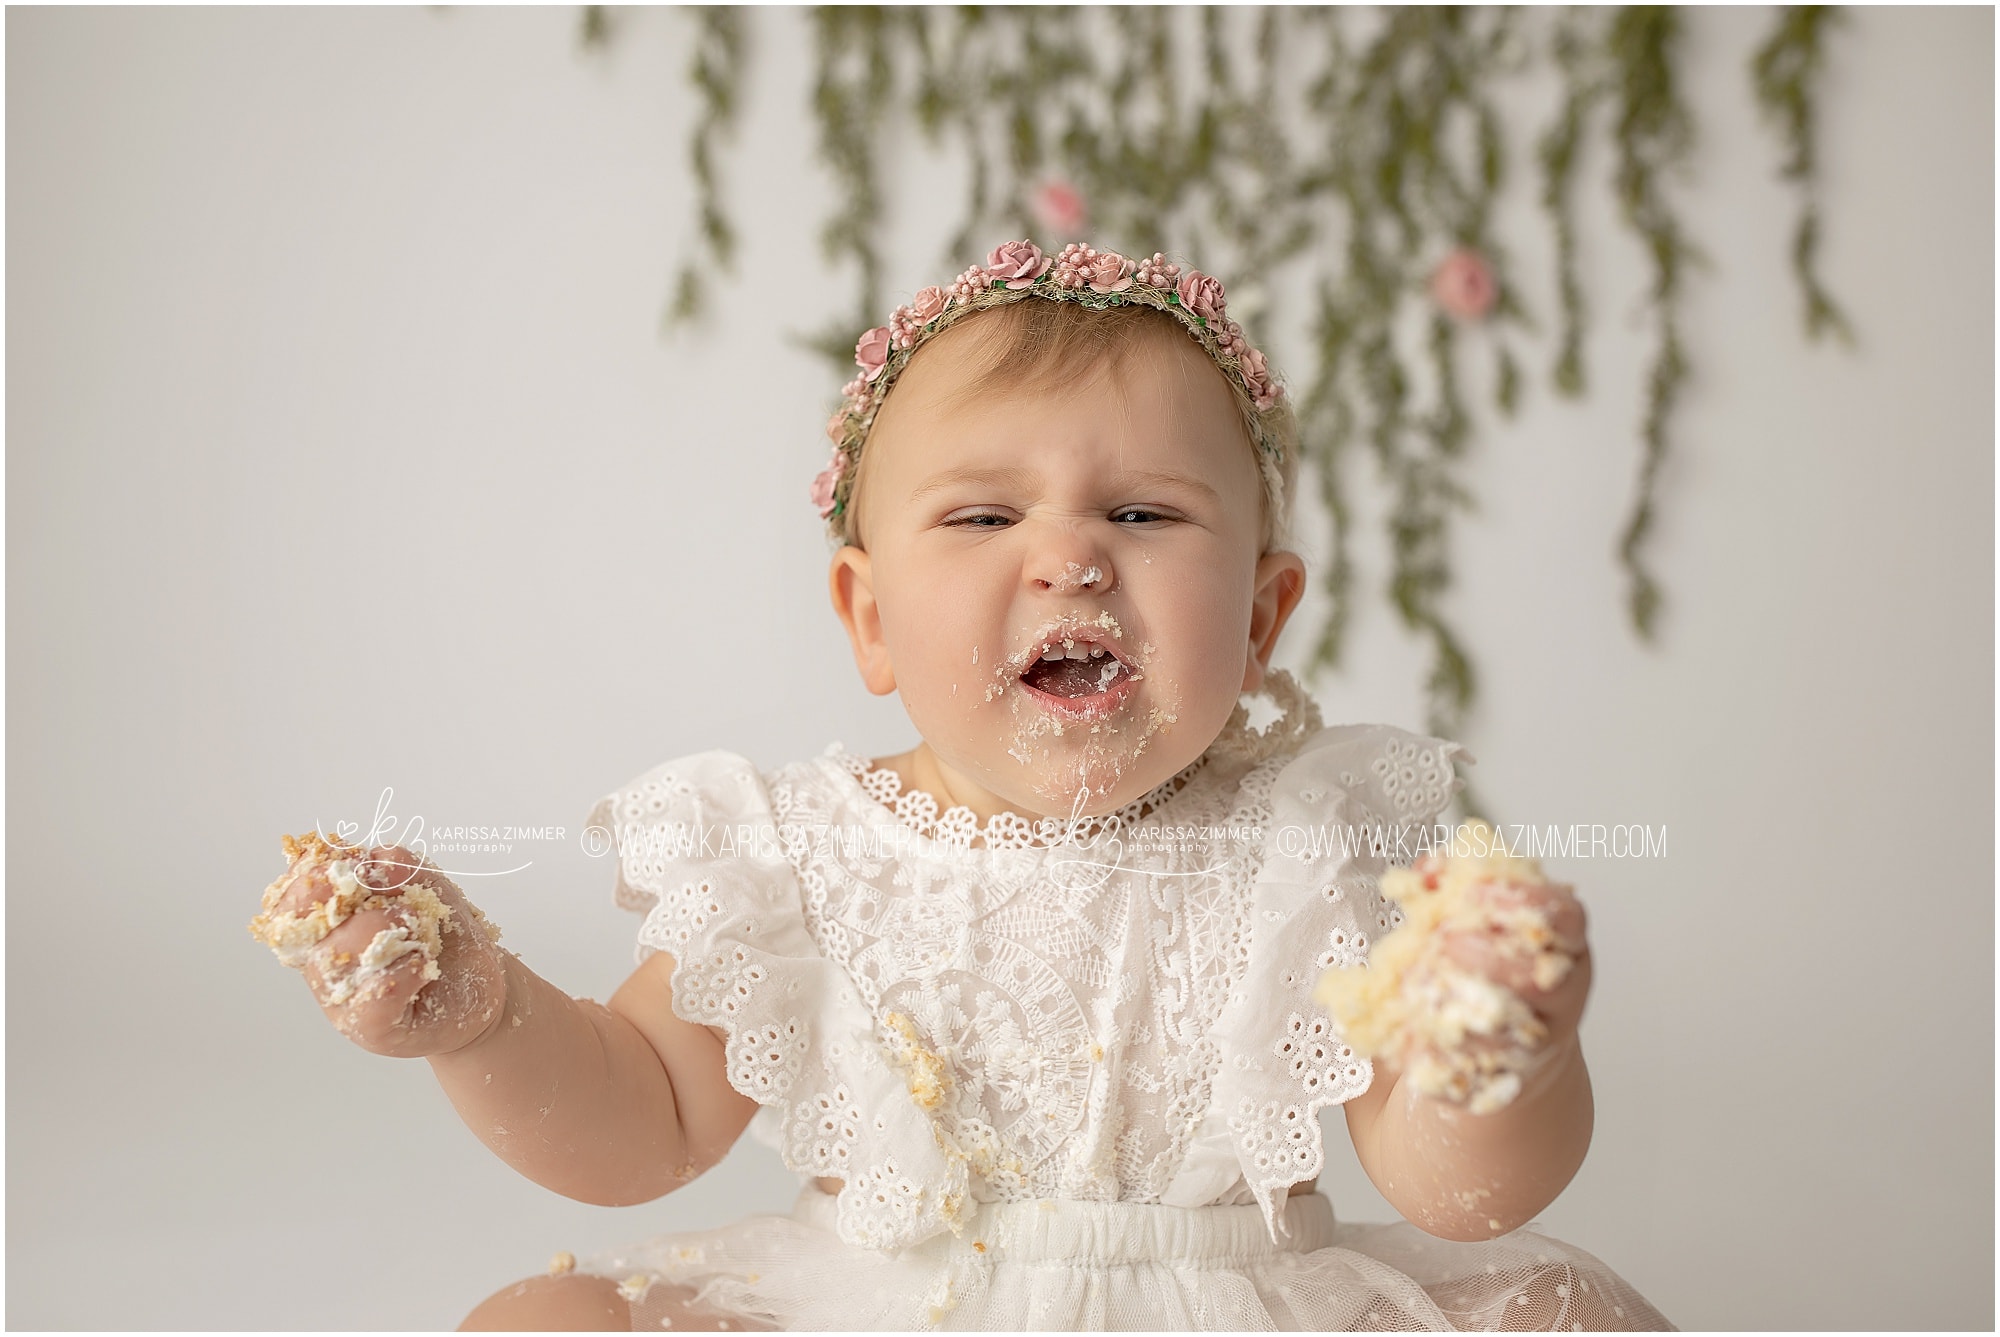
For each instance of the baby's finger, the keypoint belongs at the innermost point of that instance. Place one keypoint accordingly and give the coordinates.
(1489, 957)
(339, 954)
(303, 890)
(389, 868)
(1547, 914)
(377, 1016)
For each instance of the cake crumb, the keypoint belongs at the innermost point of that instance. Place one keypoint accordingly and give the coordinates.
(564, 1262)
(929, 1079)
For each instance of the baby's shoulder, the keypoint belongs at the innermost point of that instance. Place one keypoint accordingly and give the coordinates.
(716, 783)
(1387, 771)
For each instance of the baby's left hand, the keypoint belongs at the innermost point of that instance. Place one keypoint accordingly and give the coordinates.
(1482, 985)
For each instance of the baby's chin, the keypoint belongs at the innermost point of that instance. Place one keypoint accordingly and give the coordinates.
(1061, 768)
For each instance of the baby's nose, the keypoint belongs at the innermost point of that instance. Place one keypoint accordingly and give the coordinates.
(1070, 573)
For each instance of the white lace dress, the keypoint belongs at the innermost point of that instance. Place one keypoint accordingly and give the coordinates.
(1066, 1077)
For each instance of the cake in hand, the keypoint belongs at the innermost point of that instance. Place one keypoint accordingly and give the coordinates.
(384, 881)
(1457, 1034)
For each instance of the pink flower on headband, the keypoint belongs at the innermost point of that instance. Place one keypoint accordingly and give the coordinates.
(928, 305)
(836, 426)
(1463, 285)
(1257, 378)
(1020, 263)
(826, 482)
(871, 353)
(1107, 271)
(1201, 294)
(1058, 207)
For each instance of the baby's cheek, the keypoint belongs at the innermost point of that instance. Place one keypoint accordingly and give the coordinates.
(1209, 627)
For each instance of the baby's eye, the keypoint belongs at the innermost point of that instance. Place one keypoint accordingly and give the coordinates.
(979, 520)
(1139, 515)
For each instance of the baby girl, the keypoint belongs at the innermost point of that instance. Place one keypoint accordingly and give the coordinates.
(1029, 1007)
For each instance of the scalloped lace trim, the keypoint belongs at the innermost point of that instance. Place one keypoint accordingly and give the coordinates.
(959, 826)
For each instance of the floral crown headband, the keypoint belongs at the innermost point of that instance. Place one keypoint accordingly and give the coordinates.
(1081, 274)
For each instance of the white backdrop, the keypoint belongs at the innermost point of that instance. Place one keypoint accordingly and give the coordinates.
(342, 453)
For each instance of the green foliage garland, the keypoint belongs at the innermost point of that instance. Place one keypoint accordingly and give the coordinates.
(1361, 146)
(1784, 72)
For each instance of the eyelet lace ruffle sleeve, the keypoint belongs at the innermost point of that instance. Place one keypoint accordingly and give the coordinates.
(1316, 904)
(704, 852)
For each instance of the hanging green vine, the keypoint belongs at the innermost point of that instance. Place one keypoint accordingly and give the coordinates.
(1652, 132)
(716, 73)
(1784, 71)
(851, 93)
(1583, 89)
(1366, 147)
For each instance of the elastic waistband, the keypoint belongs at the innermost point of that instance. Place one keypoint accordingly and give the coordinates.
(1111, 1233)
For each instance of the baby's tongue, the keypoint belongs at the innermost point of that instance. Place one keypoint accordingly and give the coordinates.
(1068, 677)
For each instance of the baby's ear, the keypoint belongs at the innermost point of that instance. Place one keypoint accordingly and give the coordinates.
(851, 582)
(1280, 584)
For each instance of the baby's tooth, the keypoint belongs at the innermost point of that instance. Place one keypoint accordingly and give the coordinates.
(1052, 653)
(1074, 651)
(1097, 652)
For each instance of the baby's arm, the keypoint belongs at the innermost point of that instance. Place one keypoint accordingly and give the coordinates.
(609, 1105)
(1466, 1176)
(1480, 1112)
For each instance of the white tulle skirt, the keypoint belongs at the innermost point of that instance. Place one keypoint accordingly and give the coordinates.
(1068, 1265)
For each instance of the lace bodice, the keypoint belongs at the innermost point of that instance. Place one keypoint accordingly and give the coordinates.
(937, 1013)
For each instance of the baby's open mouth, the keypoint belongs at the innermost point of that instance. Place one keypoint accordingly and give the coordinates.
(1077, 670)
(1072, 668)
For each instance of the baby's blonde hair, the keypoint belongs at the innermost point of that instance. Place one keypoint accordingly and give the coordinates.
(1036, 344)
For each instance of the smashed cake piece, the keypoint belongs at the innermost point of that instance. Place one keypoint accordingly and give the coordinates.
(295, 938)
(1415, 1004)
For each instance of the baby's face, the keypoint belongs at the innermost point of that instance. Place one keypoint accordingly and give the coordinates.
(1064, 585)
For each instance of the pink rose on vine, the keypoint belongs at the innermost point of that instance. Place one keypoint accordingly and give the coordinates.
(1464, 286)
(1059, 209)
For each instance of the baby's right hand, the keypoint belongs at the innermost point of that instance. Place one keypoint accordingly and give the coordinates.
(400, 961)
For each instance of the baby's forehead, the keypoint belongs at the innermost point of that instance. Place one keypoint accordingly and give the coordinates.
(1061, 349)
(1136, 370)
